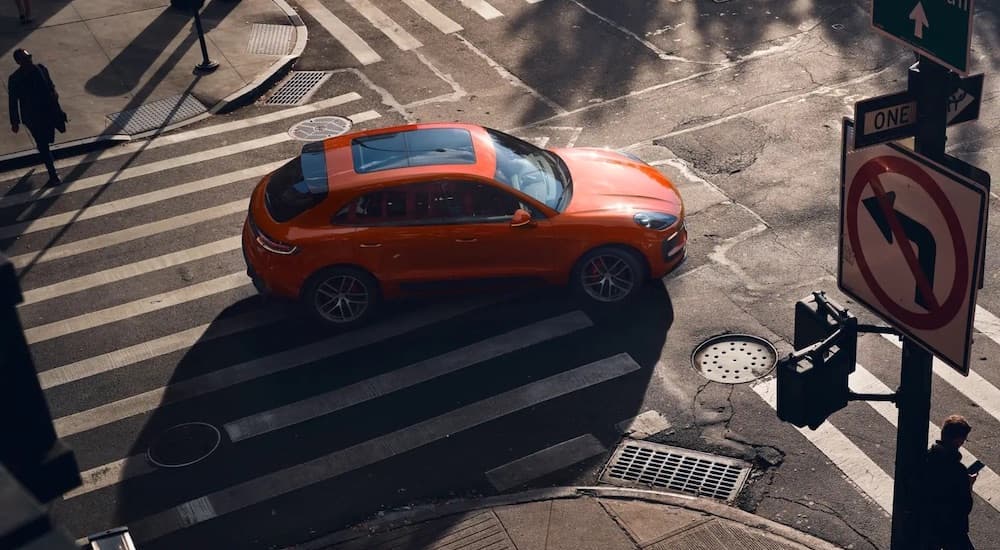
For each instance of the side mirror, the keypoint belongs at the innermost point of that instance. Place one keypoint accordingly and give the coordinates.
(521, 218)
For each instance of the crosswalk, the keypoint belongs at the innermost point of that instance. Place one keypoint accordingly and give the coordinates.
(139, 311)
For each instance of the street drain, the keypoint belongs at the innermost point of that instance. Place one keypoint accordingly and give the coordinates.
(651, 465)
(298, 88)
(321, 127)
(734, 358)
(184, 445)
(156, 114)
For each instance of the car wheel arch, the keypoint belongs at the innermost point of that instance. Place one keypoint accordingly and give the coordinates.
(319, 272)
(633, 251)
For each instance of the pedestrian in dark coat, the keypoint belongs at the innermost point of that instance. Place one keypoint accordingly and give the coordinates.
(947, 486)
(34, 101)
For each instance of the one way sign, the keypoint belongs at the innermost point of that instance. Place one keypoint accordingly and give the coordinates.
(894, 116)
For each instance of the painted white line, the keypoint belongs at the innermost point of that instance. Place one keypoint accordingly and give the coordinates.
(144, 169)
(369, 452)
(433, 16)
(136, 308)
(974, 386)
(988, 484)
(255, 368)
(852, 461)
(509, 77)
(341, 32)
(533, 1)
(544, 462)
(130, 234)
(181, 137)
(644, 425)
(483, 8)
(417, 373)
(144, 351)
(988, 324)
(402, 39)
(364, 117)
(136, 201)
(111, 474)
(117, 274)
(645, 43)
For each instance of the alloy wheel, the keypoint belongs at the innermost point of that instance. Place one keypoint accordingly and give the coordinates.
(607, 278)
(342, 299)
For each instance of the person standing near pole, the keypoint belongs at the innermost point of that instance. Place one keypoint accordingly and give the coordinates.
(34, 101)
(947, 486)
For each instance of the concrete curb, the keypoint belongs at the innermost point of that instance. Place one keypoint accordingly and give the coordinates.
(427, 512)
(233, 101)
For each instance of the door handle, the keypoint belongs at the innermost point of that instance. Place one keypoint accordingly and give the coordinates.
(470, 240)
(370, 245)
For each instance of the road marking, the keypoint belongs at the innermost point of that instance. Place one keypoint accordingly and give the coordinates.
(862, 381)
(417, 373)
(266, 487)
(135, 308)
(402, 39)
(256, 368)
(127, 271)
(111, 474)
(852, 461)
(130, 234)
(102, 180)
(180, 137)
(170, 343)
(341, 32)
(974, 386)
(644, 425)
(483, 8)
(987, 323)
(509, 77)
(128, 203)
(433, 16)
(544, 462)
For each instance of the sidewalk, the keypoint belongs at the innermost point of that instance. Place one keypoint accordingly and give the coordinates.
(124, 69)
(573, 518)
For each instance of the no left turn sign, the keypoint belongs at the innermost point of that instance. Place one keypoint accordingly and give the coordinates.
(911, 238)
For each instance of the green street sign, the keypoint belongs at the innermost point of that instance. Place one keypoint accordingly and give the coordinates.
(939, 29)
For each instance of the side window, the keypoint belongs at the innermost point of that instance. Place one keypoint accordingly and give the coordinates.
(490, 202)
(441, 201)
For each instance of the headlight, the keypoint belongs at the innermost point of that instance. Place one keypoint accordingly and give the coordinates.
(654, 220)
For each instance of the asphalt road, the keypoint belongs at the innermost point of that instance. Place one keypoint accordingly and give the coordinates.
(140, 319)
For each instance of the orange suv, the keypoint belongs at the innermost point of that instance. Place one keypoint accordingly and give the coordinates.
(374, 215)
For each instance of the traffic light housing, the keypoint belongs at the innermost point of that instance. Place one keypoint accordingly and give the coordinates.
(812, 382)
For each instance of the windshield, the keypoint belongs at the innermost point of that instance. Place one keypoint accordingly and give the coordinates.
(533, 171)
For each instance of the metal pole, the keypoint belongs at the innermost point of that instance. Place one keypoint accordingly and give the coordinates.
(206, 65)
(929, 83)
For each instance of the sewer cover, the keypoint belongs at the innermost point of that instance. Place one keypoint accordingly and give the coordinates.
(156, 114)
(319, 128)
(298, 88)
(652, 465)
(734, 358)
(184, 445)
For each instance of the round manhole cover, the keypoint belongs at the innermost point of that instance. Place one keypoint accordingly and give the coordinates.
(734, 358)
(321, 127)
(183, 445)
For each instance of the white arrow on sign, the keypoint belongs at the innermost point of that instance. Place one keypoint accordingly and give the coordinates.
(957, 103)
(919, 20)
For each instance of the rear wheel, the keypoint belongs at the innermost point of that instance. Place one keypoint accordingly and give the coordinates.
(609, 275)
(342, 296)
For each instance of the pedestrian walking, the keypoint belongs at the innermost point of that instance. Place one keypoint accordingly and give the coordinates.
(947, 486)
(24, 11)
(34, 101)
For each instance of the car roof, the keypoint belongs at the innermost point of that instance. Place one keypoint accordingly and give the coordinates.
(343, 174)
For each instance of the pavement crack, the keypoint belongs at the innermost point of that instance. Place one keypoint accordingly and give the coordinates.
(828, 510)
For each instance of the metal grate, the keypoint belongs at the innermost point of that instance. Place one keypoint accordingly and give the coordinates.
(638, 463)
(298, 88)
(271, 39)
(157, 114)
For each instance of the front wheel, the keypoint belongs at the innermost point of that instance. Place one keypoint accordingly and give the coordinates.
(342, 296)
(609, 275)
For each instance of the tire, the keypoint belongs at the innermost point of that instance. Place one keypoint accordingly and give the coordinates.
(600, 275)
(355, 288)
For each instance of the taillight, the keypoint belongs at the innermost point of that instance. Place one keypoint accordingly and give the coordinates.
(269, 244)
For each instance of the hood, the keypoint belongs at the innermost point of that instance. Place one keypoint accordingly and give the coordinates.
(607, 180)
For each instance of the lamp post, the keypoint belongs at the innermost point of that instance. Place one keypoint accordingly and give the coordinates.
(194, 6)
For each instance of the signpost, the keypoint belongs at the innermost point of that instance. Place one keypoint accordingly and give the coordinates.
(938, 29)
(894, 116)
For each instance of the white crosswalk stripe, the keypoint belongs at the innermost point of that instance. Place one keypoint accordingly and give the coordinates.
(384, 23)
(443, 23)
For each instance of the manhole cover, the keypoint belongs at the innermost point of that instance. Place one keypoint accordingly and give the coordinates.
(183, 445)
(734, 358)
(319, 128)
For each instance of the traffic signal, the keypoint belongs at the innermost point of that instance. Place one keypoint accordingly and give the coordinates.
(812, 382)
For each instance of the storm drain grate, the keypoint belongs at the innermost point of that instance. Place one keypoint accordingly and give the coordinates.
(271, 39)
(157, 114)
(638, 463)
(298, 88)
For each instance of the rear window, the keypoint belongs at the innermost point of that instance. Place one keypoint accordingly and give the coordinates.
(299, 185)
(413, 148)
